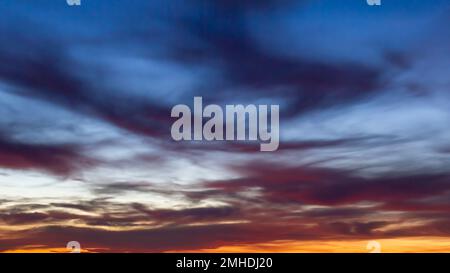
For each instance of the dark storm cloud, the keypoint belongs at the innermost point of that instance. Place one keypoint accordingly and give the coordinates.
(163, 239)
(102, 212)
(138, 240)
(41, 68)
(226, 44)
(220, 38)
(60, 160)
(336, 213)
(421, 207)
(331, 187)
(210, 236)
(22, 218)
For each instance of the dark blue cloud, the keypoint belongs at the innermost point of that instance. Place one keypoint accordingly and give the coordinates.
(364, 115)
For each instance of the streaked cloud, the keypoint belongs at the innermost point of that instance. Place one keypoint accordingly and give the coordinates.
(86, 155)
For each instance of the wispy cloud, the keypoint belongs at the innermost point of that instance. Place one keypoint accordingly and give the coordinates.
(85, 152)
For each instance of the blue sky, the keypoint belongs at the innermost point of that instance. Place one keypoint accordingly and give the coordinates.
(85, 99)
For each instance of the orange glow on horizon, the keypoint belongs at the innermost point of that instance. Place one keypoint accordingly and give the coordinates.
(397, 245)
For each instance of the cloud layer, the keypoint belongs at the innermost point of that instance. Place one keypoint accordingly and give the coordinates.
(85, 100)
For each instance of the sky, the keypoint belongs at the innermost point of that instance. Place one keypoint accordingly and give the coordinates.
(85, 147)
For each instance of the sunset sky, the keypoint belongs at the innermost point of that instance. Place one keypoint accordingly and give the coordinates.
(86, 153)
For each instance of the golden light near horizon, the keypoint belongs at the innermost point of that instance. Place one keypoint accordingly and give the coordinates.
(395, 245)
